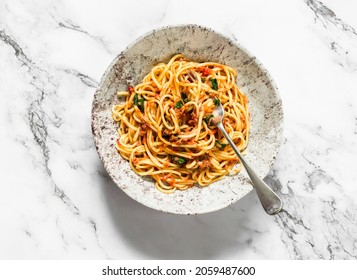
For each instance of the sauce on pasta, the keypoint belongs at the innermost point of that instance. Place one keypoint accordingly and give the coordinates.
(165, 129)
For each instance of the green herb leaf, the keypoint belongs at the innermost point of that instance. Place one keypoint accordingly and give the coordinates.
(184, 97)
(139, 102)
(216, 101)
(136, 100)
(207, 119)
(179, 104)
(178, 160)
(220, 145)
(214, 84)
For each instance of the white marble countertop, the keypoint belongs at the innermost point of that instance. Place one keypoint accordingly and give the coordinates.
(57, 202)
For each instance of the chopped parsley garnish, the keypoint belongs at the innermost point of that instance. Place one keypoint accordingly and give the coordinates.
(220, 145)
(139, 102)
(216, 101)
(136, 100)
(184, 97)
(207, 119)
(179, 104)
(141, 105)
(214, 84)
(178, 160)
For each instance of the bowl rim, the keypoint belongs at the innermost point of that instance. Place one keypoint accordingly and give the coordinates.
(234, 42)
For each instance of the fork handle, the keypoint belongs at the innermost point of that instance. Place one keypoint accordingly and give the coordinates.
(270, 201)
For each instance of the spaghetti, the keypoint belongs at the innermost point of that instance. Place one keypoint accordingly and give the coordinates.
(165, 128)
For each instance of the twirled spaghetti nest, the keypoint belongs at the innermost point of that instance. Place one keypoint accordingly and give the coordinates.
(165, 128)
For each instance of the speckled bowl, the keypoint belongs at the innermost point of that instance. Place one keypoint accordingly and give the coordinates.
(199, 44)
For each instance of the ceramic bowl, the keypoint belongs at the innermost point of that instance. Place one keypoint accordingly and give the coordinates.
(198, 44)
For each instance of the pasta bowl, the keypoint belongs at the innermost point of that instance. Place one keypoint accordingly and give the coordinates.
(198, 44)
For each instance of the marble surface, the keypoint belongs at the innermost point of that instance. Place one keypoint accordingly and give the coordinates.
(57, 202)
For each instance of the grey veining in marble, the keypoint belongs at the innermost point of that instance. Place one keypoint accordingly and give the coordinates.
(56, 200)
